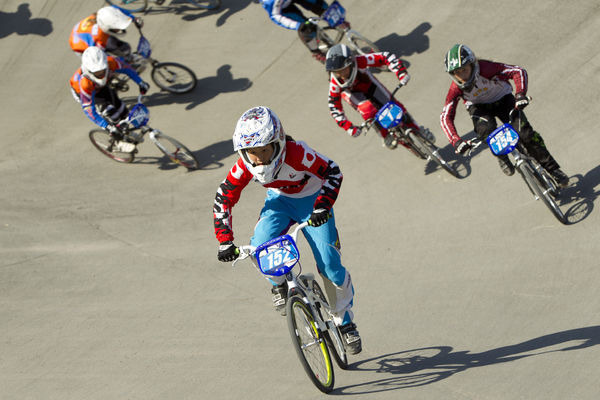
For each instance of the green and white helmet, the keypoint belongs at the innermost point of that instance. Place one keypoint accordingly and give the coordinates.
(459, 56)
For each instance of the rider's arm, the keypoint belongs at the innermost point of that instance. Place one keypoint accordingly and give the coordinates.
(393, 63)
(335, 106)
(505, 72)
(290, 21)
(449, 112)
(119, 66)
(87, 92)
(227, 196)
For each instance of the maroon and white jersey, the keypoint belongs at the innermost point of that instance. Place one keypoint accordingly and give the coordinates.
(490, 85)
(303, 173)
(362, 83)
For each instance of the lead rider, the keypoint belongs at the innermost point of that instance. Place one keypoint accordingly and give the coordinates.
(302, 186)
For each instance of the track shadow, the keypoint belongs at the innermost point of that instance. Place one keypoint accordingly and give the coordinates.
(580, 194)
(419, 367)
(179, 7)
(21, 23)
(206, 89)
(402, 46)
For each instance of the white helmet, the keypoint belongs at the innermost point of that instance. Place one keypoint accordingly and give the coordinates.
(112, 21)
(258, 127)
(94, 65)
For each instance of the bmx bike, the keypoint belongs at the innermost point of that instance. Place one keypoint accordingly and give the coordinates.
(315, 336)
(134, 128)
(504, 140)
(331, 30)
(142, 5)
(170, 76)
(390, 117)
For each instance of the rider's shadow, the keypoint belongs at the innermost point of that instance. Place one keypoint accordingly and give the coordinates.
(211, 156)
(227, 9)
(21, 23)
(206, 89)
(402, 46)
(581, 193)
(425, 366)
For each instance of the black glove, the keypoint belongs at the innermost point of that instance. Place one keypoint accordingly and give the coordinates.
(318, 217)
(144, 86)
(521, 101)
(228, 252)
(138, 21)
(462, 147)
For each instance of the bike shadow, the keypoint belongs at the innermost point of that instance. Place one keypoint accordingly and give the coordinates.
(21, 23)
(402, 46)
(580, 194)
(211, 156)
(163, 163)
(462, 164)
(206, 89)
(189, 13)
(424, 366)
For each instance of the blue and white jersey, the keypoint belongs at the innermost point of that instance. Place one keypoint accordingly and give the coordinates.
(289, 20)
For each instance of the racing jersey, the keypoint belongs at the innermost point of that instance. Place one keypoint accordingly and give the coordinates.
(489, 86)
(86, 88)
(303, 173)
(363, 82)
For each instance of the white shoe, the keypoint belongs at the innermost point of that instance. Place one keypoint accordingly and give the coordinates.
(124, 147)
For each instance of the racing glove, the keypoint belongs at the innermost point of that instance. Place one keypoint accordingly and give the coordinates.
(354, 131)
(318, 217)
(227, 252)
(462, 147)
(521, 101)
(144, 86)
(403, 77)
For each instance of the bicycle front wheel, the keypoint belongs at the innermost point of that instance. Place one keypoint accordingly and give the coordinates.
(332, 336)
(174, 77)
(205, 4)
(310, 345)
(432, 152)
(174, 149)
(102, 140)
(130, 5)
(541, 192)
(360, 43)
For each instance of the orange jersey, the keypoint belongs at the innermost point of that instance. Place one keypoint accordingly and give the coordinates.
(86, 33)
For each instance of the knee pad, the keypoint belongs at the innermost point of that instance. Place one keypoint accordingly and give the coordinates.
(367, 109)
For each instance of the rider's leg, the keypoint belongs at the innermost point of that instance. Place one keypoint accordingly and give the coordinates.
(110, 105)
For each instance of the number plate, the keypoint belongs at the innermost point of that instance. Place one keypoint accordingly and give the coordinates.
(143, 48)
(389, 115)
(277, 256)
(139, 115)
(335, 14)
(503, 140)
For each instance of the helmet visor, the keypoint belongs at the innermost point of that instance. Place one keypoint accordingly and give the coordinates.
(100, 74)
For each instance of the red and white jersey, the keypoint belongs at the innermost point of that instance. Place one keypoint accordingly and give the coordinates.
(363, 82)
(490, 85)
(303, 173)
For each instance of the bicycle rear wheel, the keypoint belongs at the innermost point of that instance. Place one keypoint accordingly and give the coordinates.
(204, 4)
(541, 192)
(361, 44)
(174, 77)
(130, 5)
(174, 149)
(310, 346)
(432, 152)
(102, 140)
(332, 336)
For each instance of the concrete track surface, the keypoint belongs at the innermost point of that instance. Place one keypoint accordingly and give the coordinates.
(465, 288)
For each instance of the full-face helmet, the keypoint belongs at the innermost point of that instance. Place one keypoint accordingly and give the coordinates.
(459, 56)
(258, 127)
(339, 57)
(112, 21)
(94, 65)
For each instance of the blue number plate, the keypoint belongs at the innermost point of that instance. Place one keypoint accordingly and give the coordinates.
(143, 48)
(389, 115)
(277, 256)
(139, 115)
(335, 14)
(503, 140)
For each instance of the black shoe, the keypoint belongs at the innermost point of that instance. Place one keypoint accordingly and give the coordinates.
(506, 166)
(560, 177)
(351, 338)
(279, 297)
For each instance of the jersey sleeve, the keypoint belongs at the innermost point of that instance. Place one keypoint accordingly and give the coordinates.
(118, 65)
(282, 20)
(491, 69)
(336, 110)
(227, 196)
(449, 113)
(386, 58)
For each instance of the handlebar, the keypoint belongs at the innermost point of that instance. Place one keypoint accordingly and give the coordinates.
(367, 124)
